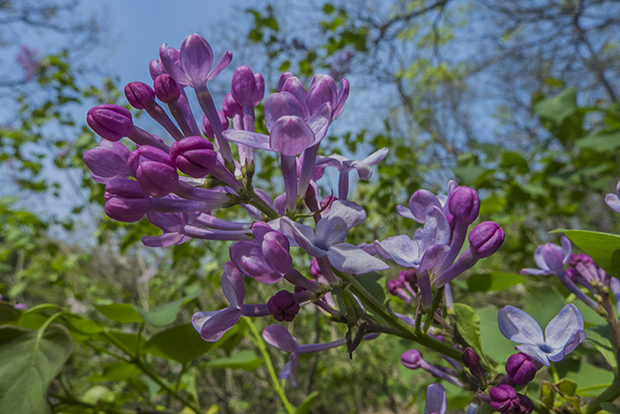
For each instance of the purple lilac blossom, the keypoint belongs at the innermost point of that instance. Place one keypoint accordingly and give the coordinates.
(562, 334)
(613, 200)
(436, 401)
(412, 359)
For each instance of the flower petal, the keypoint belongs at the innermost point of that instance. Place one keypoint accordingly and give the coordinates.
(165, 240)
(351, 259)
(401, 249)
(220, 65)
(432, 256)
(170, 66)
(290, 135)
(251, 139)
(288, 371)
(435, 399)
(339, 220)
(575, 339)
(534, 352)
(280, 337)
(217, 325)
(232, 285)
(196, 58)
(279, 105)
(302, 235)
(561, 328)
(405, 212)
(420, 201)
(518, 326)
(567, 248)
(536, 272)
(613, 202)
(539, 260)
(319, 122)
(436, 228)
(376, 157)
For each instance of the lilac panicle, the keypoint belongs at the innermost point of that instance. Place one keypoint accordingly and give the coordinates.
(562, 334)
(194, 156)
(283, 306)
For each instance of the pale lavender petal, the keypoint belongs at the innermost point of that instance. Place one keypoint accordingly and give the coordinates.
(342, 98)
(405, 212)
(553, 255)
(290, 135)
(613, 202)
(567, 248)
(376, 157)
(539, 260)
(562, 327)
(220, 65)
(420, 201)
(251, 139)
(436, 228)
(199, 318)
(302, 235)
(217, 325)
(196, 57)
(535, 352)
(334, 160)
(280, 337)
(339, 220)
(573, 341)
(165, 240)
(426, 290)
(519, 327)
(294, 86)
(279, 105)
(364, 172)
(319, 122)
(232, 285)
(435, 399)
(351, 259)
(400, 249)
(288, 371)
(170, 66)
(432, 256)
(536, 272)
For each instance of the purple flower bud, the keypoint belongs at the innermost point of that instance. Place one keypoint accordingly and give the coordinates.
(166, 88)
(275, 247)
(464, 204)
(155, 172)
(315, 270)
(111, 122)
(322, 89)
(108, 160)
(394, 285)
(409, 276)
(486, 238)
(575, 259)
(139, 94)
(207, 129)
(194, 156)
(504, 399)
(471, 360)
(243, 85)
(283, 306)
(412, 359)
(125, 200)
(526, 406)
(231, 107)
(259, 92)
(283, 78)
(521, 368)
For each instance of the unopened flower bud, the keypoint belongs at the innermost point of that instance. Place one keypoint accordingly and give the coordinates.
(394, 285)
(283, 306)
(486, 238)
(207, 128)
(156, 174)
(410, 276)
(139, 94)
(464, 204)
(125, 200)
(521, 368)
(166, 88)
(231, 107)
(315, 270)
(412, 359)
(275, 248)
(243, 84)
(323, 89)
(526, 406)
(194, 156)
(108, 160)
(111, 122)
(504, 399)
(471, 360)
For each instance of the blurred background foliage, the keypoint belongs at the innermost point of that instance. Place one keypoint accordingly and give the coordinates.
(519, 100)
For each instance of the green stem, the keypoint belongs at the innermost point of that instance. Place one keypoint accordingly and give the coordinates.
(408, 331)
(260, 204)
(608, 395)
(539, 407)
(272, 372)
(149, 372)
(41, 307)
(69, 400)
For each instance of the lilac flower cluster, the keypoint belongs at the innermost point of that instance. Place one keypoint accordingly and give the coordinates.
(180, 186)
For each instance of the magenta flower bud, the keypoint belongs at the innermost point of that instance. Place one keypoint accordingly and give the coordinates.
(394, 285)
(521, 368)
(194, 156)
(109, 121)
(276, 247)
(283, 306)
(243, 85)
(231, 107)
(207, 129)
(259, 91)
(526, 406)
(315, 270)
(125, 200)
(139, 94)
(412, 359)
(575, 259)
(108, 160)
(409, 276)
(323, 89)
(504, 399)
(464, 204)
(21, 306)
(486, 238)
(156, 174)
(471, 360)
(166, 88)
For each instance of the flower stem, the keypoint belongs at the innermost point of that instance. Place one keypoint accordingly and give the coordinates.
(272, 373)
(610, 394)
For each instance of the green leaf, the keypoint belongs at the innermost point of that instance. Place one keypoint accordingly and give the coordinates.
(305, 406)
(120, 312)
(166, 314)
(129, 340)
(547, 394)
(468, 325)
(246, 360)
(604, 248)
(516, 161)
(495, 344)
(567, 387)
(603, 141)
(601, 337)
(376, 285)
(543, 304)
(8, 314)
(558, 108)
(610, 408)
(27, 366)
(182, 343)
(118, 371)
(490, 282)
